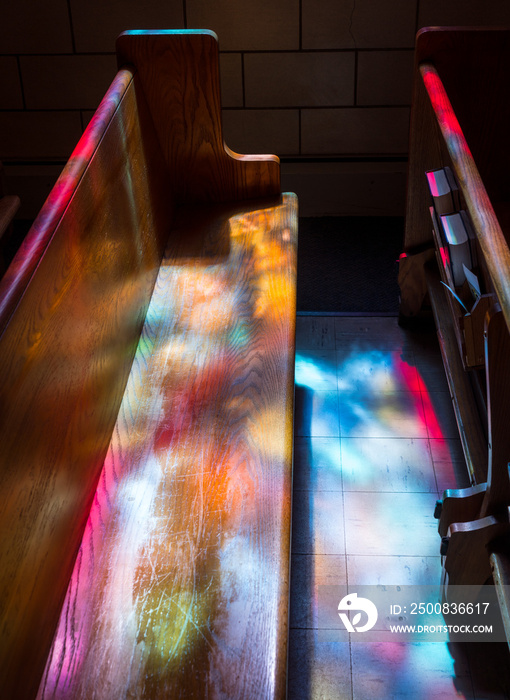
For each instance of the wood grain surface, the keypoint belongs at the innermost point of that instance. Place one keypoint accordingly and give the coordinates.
(19, 274)
(471, 432)
(500, 565)
(179, 74)
(81, 285)
(460, 117)
(181, 584)
(180, 588)
(473, 64)
(490, 238)
(467, 561)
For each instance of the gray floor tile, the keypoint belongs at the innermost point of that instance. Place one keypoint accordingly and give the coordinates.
(387, 464)
(316, 370)
(389, 671)
(317, 465)
(316, 413)
(432, 379)
(446, 449)
(440, 416)
(315, 332)
(308, 572)
(317, 523)
(393, 570)
(374, 371)
(318, 670)
(393, 415)
(379, 332)
(370, 459)
(390, 523)
(451, 475)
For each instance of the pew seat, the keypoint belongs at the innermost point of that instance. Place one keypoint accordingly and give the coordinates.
(147, 385)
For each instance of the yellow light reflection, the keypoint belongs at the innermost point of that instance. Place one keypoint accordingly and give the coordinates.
(177, 565)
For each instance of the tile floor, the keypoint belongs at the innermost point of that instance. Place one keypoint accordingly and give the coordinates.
(376, 443)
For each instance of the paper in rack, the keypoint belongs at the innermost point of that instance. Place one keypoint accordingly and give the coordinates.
(458, 244)
(444, 190)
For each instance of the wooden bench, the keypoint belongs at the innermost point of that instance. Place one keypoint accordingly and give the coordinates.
(460, 119)
(147, 342)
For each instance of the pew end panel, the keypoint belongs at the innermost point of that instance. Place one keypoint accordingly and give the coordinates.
(150, 174)
(201, 166)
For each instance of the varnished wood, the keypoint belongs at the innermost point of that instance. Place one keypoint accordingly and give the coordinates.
(472, 330)
(467, 326)
(195, 489)
(37, 240)
(500, 567)
(460, 118)
(467, 561)
(472, 435)
(490, 238)
(460, 505)
(473, 64)
(85, 275)
(181, 585)
(412, 280)
(179, 75)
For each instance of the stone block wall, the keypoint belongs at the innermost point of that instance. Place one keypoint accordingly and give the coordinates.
(324, 84)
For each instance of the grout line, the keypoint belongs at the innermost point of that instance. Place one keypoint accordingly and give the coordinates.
(346, 569)
(22, 87)
(71, 26)
(300, 25)
(243, 81)
(299, 132)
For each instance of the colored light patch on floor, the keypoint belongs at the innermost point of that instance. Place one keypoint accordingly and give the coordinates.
(363, 505)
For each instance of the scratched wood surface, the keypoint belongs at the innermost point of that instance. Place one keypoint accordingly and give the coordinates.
(180, 588)
(72, 306)
(80, 287)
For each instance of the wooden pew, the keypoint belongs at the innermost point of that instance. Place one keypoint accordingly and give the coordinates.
(460, 119)
(147, 342)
